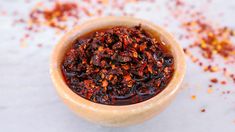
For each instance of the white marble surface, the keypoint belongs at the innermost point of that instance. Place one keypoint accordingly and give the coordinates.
(28, 101)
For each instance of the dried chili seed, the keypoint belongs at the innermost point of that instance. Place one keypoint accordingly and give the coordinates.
(118, 66)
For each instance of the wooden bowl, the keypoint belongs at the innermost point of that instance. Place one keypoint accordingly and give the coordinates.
(116, 115)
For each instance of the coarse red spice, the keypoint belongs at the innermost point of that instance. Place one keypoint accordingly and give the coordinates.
(63, 15)
(118, 66)
(226, 92)
(212, 41)
(203, 110)
(212, 46)
(53, 17)
(193, 97)
(223, 82)
(214, 80)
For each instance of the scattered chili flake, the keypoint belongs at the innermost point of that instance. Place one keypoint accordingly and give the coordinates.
(200, 64)
(63, 15)
(122, 65)
(211, 68)
(193, 97)
(223, 82)
(226, 92)
(55, 16)
(214, 80)
(212, 45)
(203, 110)
(211, 40)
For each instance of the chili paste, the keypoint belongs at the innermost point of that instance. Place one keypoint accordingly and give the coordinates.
(118, 66)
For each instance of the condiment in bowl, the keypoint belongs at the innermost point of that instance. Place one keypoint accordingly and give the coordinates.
(117, 71)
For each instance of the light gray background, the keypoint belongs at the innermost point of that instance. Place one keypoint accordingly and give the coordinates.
(28, 101)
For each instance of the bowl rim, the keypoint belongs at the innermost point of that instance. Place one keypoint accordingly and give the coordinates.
(66, 93)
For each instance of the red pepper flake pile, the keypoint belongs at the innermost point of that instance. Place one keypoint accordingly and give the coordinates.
(56, 16)
(212, 41)
(63, 15)
(212, 46)
(118, 66)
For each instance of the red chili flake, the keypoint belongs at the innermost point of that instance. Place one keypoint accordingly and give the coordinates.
(223, 82)
(200, 64)
(214, 80)
(211, 68)
(232, 76)
(127, 77)
(226, 92)
(203, 110)
(193, 97)
(88, 84)
(105, 83)
(118, 66)
(224, 69)
(86, 11)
